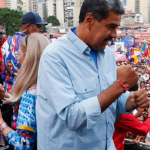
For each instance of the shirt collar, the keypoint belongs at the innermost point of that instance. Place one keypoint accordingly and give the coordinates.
(19, 33)
(77, 42)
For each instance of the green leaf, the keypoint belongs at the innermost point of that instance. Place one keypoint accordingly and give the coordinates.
(53, 20)
(11, 19)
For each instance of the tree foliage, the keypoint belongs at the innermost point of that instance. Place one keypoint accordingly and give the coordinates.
(53, 20)
(44, 28)
(11, 20)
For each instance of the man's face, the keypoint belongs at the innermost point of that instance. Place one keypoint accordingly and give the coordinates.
(1, 41)
(142, 84)
(103, 31)
(9, 66)
(35, 28)
(21, 56)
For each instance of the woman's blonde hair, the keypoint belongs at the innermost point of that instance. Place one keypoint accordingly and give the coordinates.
(32, 46)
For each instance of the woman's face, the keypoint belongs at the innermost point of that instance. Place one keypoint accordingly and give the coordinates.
(21, 56)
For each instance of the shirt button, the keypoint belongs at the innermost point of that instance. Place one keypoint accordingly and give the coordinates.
(85, 89)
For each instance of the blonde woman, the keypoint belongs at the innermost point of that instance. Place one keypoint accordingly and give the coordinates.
(23, 133)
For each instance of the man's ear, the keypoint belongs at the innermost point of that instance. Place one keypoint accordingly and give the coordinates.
(28, 28)
(89, 20)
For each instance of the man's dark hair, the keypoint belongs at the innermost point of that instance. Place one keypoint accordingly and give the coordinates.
(100, 9)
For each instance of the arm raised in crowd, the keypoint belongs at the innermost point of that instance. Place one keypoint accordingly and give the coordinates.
(127, 76)
(129, 123)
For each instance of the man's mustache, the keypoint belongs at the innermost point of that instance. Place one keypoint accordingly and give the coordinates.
(108, 39)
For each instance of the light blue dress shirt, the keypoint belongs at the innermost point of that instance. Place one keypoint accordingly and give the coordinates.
(68, 111)
(92, 52)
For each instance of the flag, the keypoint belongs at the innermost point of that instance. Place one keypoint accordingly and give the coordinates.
(134, 43)
(25, 131)
(129, 54)
(143, 47)
(126, 42)
(147, 54)
(127, 45)
(134, 55)
(137, 51)
(139, 58)
(148, 65)
(147, 57)
(136, 60)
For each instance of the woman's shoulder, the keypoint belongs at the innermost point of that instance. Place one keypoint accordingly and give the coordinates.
(29, 97)
(32, 90)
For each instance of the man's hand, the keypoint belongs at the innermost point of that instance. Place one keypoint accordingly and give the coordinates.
(139, 112)
(137, 139)
(141, 99)
(127, 75)
(137, 99)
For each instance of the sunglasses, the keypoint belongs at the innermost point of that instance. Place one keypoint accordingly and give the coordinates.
(9, 65)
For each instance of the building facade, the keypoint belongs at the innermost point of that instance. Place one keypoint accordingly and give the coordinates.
(27, 5)
(12, 4)
(124, 2)
(3, 4)
(137, 6)
(41, 9)
(51, 7)
(130, 5)
(140, 6)
(66, 11)
(145, 10)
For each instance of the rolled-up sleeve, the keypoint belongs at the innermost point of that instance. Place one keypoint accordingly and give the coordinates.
(121, 103)
(93, 111)
(56, 85)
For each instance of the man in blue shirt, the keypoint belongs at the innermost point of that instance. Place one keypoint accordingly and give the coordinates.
(79, 86)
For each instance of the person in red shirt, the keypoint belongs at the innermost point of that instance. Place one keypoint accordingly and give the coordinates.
(2, 41)
(128, 122)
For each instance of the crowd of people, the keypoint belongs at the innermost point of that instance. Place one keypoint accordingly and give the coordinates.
(69, 93)
(135, 127)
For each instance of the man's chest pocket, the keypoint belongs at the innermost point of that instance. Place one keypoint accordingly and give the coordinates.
(85, 87)
(107, 80)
